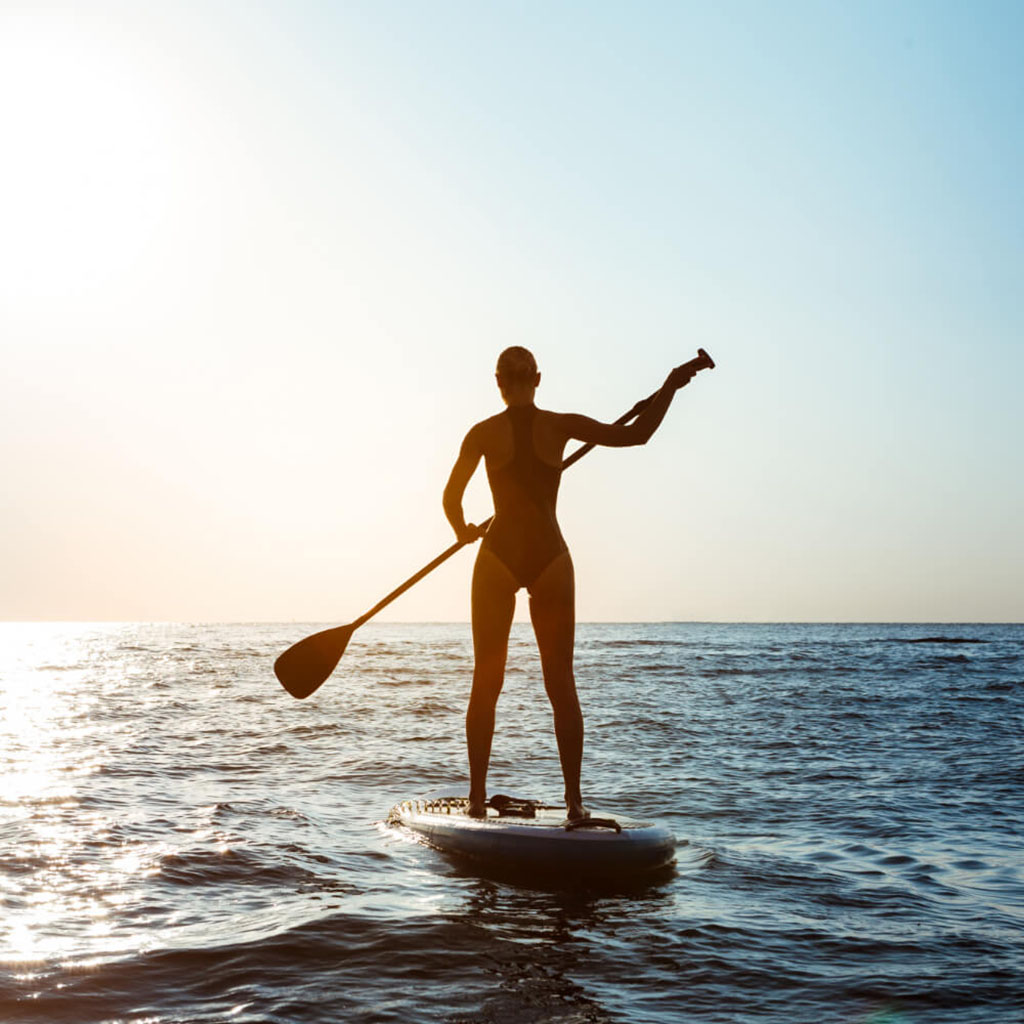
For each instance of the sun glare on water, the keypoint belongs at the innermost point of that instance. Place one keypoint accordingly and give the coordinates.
(54, 893)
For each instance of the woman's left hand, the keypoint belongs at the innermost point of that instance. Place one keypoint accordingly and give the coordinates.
(470, 533)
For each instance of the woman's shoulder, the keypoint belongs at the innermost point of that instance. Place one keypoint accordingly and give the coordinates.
(555, 422)
(482, 435)
(490, 424)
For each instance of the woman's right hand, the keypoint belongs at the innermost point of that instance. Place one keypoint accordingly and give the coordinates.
(681, 375)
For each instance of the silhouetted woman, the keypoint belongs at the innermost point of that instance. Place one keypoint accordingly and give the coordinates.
(522, 448)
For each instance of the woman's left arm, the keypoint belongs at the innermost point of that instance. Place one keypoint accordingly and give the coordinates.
(465, 466)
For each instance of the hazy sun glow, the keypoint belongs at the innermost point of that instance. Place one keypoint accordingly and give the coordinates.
(89, 158)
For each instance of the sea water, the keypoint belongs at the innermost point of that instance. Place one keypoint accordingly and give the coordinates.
(181, 841)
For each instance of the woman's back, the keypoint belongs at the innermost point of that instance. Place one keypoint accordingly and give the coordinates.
(524, 534)
(496, 436)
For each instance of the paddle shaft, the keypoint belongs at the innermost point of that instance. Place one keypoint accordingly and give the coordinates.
(702, 361)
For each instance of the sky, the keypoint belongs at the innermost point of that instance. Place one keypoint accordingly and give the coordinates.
(257, 262)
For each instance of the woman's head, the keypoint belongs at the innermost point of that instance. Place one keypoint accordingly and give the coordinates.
(517, 374)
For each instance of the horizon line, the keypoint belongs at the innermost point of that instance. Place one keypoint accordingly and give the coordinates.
(330, 623)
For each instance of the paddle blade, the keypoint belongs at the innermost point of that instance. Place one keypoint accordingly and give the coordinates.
(305, 665)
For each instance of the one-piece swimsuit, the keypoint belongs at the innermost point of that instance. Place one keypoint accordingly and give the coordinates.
(524, 534)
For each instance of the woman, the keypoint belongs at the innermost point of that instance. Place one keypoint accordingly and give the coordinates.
(522, 448)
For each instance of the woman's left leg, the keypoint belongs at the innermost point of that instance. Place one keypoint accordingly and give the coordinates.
(494, 603)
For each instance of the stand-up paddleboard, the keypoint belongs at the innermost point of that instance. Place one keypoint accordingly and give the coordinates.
(530, 835)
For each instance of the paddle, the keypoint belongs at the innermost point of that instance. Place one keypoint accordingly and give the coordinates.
(306, 665)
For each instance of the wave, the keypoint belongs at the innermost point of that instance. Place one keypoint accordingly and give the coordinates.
(203, 866)
(935, 640)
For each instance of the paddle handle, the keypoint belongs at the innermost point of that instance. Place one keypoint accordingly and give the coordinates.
(702, 362)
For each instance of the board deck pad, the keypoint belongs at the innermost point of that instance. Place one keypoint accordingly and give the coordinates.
(529, 834)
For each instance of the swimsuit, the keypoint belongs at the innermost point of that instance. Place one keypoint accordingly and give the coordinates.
(524, 535)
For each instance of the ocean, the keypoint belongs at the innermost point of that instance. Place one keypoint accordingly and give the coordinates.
(181, 842)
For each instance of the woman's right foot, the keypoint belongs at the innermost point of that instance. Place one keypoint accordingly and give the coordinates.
(575, 810)
(476, 808)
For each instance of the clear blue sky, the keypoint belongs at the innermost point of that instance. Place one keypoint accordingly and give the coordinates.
(259, 261)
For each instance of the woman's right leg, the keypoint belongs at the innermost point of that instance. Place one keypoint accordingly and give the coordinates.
(493, 603)
(553, 611)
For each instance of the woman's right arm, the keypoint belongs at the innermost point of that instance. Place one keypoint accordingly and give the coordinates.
(616, 435)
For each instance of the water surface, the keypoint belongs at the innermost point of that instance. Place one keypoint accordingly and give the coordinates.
(182, 842)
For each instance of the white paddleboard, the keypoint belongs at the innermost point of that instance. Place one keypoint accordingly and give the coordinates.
(530, 835)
